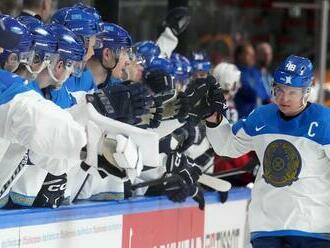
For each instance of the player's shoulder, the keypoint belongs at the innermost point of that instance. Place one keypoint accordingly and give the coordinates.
(318, 112)
(261, 116)
(10, 85)
(263, 113)
(318, 118)
(7, 78)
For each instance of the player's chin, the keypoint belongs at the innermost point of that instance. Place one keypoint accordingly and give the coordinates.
(285, 109)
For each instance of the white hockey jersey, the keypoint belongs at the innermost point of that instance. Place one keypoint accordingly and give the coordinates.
(291, 192)
(28, 121)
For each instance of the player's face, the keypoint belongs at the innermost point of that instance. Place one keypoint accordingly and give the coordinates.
(289, 99)
(120, 70)
(134, 71)
(12, 63)
(1, 50)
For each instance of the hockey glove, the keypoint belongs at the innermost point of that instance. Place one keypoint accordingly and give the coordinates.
(140, 97)
(164, 107)
(51, 194)
(177, 20)
(112, 101)
(185, 136)
(202, 98)
(158, 81)
(189, 173)
(123, 154)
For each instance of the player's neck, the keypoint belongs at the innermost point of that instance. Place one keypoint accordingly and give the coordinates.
(290, 117)
(98, 71)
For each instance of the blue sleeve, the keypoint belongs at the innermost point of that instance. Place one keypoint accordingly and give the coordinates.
(83, 83)
(10, 86)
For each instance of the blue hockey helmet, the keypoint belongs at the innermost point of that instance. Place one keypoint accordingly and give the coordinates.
(146, 50)
(182, 67)
(9, 36)
(89, 9)
(158, 75)
(114, 37)
(160, 64)
(199, 62)
(29, 21)
(294, 71)
(23, 49)
(78, 20)
(43, 41)
(69, 49)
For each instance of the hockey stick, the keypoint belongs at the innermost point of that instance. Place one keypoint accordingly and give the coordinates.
(165, 179)
(250, 167)
(212, 182)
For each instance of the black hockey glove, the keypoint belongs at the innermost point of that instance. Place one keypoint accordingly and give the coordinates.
(164, 107)
(192, 98)
(121, 102)
(185, 136)
(189, 173)
(141, 99)
(51, 194)
(111, 101)
(177, 20)
(201, 99)
(158, 81)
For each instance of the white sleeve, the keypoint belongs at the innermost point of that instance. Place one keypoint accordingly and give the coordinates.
(42, 126)
(167, 127)
(167, 42)
(80, 96)
(226, 143)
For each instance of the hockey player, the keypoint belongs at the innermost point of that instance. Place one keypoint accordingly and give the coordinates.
(28, 123)
(290, 137)
(110, 61)
(86, 24)
(29, 71)
(62, 54)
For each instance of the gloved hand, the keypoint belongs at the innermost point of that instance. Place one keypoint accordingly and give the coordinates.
(121, 102)
(51, 194)
(202, 98)
(191, 98)
(169, 103)
(141, 99)
(164, 107)
(177, 20)
(158, 81)
(189, 173)
(185, 137)
(111, 101)
(123, 154)
(151, 119)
